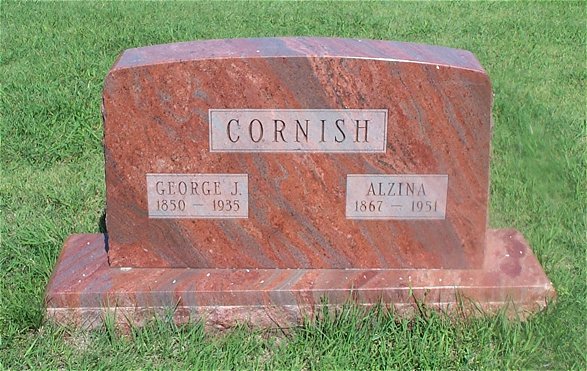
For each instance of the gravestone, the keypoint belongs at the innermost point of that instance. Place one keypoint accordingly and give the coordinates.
(249, 179)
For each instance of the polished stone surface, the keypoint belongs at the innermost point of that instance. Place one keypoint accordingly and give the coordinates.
(84, 288)
(254, 180)
(158, 119)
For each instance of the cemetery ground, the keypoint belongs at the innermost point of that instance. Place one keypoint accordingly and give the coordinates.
(53, 59)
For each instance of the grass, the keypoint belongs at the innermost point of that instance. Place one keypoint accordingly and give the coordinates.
(53, 59)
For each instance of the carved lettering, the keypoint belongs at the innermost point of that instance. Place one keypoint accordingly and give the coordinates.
(256, 123)
(302, 130)
(197, 195)
(290, 130)
(365, 129)
(229, 132)
(379, 196)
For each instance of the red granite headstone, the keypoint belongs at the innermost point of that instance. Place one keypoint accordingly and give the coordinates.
(267, 173)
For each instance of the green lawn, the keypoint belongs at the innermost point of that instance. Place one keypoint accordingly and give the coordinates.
(53, 58)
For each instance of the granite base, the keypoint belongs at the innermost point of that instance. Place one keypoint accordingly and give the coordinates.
(84, 289)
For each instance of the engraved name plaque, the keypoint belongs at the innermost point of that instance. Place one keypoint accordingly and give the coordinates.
(374, 196)
(298, 130)
(204, 196)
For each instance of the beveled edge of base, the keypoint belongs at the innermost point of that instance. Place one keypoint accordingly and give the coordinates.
(84, 290)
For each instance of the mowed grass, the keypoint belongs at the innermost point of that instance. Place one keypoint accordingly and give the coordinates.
(53, 58)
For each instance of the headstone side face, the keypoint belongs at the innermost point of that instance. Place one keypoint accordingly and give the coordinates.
(296, 161)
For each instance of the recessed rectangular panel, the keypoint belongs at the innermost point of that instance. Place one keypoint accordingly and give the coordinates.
(198, 196)
(298, 130)
(375, 196)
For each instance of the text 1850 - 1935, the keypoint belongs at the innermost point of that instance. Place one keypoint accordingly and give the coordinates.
(207, 196)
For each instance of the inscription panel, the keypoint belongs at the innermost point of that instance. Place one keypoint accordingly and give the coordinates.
(298, 130)
(198, 196)
(375, 196)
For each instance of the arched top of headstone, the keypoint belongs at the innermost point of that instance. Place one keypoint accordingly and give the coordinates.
(298, 47)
